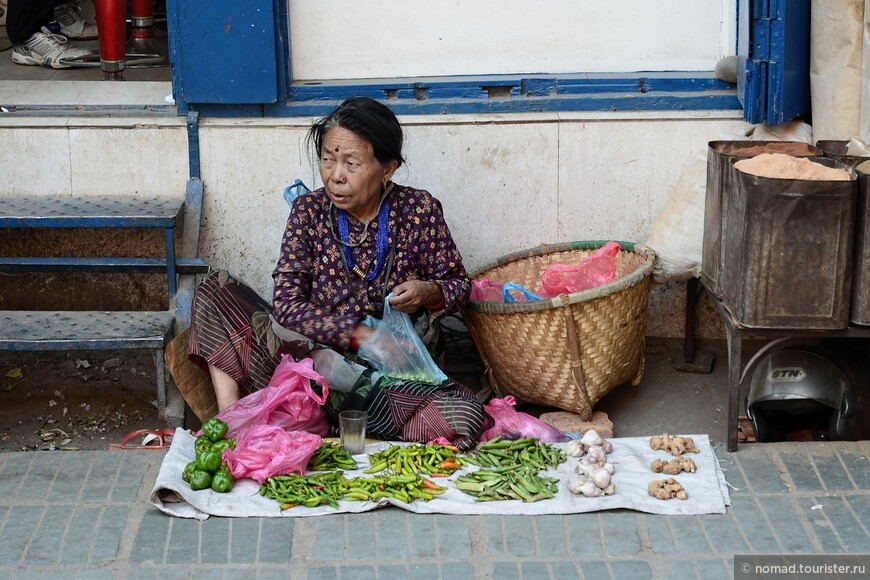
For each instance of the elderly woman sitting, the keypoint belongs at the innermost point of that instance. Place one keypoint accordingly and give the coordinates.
(346, 247)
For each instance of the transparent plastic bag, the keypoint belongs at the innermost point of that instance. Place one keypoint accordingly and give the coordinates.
(288, 402)
(268, 450)
(395, 350)
(513, 424)
(596, 270)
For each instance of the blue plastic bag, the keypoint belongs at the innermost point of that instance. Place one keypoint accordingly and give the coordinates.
(291, 192)
(395, 350)
(526, 293)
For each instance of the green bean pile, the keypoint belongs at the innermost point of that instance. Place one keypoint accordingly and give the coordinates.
(526, 452)
(509, 482)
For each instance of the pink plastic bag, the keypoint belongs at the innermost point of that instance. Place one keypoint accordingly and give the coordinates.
(596, 270)
(486, 291)
(513, 424)
(288, 401)
(267, 450)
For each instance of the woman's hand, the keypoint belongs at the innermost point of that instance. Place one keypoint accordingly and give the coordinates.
(413, 295)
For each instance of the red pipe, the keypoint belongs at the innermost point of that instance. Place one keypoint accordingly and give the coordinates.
(143, 9)
(142, 17)
(112, 28)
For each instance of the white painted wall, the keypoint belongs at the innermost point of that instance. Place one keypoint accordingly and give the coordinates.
(506, 182)
(864, 126)
(345, 39)
(61, 157)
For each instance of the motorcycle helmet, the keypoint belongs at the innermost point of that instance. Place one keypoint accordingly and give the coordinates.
(801, 388)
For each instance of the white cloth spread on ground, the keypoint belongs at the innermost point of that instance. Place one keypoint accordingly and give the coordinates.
(631, 458)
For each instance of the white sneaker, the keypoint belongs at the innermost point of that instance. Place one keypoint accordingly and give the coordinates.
(47, 49)
(72, 24)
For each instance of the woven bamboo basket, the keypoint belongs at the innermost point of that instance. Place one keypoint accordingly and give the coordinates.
(569, 351)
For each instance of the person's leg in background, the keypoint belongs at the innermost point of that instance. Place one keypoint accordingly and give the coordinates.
(73, 24)
(38, 30)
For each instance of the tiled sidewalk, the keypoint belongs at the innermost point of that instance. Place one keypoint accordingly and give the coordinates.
(85, 514)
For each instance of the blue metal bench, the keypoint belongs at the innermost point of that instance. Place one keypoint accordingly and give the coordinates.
(98, 330)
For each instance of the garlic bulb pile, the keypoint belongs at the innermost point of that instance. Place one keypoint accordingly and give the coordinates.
(595, 472)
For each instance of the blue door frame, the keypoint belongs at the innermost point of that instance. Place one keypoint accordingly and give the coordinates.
(232, 59)
(774, 60)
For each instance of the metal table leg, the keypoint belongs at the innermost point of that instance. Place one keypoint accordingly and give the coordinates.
(735, 354)
(160, 368)
(691, 360)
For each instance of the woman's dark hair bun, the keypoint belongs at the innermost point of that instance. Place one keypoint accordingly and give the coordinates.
(368, 118)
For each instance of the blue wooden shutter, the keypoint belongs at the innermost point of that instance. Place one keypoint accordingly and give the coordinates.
(773, 69)
(225, 52)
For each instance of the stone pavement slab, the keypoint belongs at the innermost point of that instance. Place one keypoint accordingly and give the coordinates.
(85, 514)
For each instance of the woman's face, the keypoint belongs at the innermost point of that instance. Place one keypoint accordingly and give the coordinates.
(352, 176)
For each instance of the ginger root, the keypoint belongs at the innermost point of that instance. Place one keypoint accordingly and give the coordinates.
(673, 445)
(674, 466)
(667, 489)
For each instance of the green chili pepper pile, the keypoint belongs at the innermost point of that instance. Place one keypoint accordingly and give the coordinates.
(330, 457)
(328, 488)
(511, 482)
(405, 488)
(208, 470)
(433, 460)
(307, 490)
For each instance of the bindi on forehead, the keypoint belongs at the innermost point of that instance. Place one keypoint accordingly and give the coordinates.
(336, 149)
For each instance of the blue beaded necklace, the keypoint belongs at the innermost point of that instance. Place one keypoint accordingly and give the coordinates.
(382, 243)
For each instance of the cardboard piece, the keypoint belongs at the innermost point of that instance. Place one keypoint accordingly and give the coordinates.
(193, 382)
(568, 422)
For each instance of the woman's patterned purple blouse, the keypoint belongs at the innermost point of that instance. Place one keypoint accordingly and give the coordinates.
(317, 296)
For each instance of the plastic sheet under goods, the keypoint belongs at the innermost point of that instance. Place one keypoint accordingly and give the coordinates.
(631, 456)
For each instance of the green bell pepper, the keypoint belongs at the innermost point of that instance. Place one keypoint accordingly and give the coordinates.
(200, 480)
(224, 444)
(223, 481)
(202, 445)
(209, 461)
(189, 469)
(215, 429)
